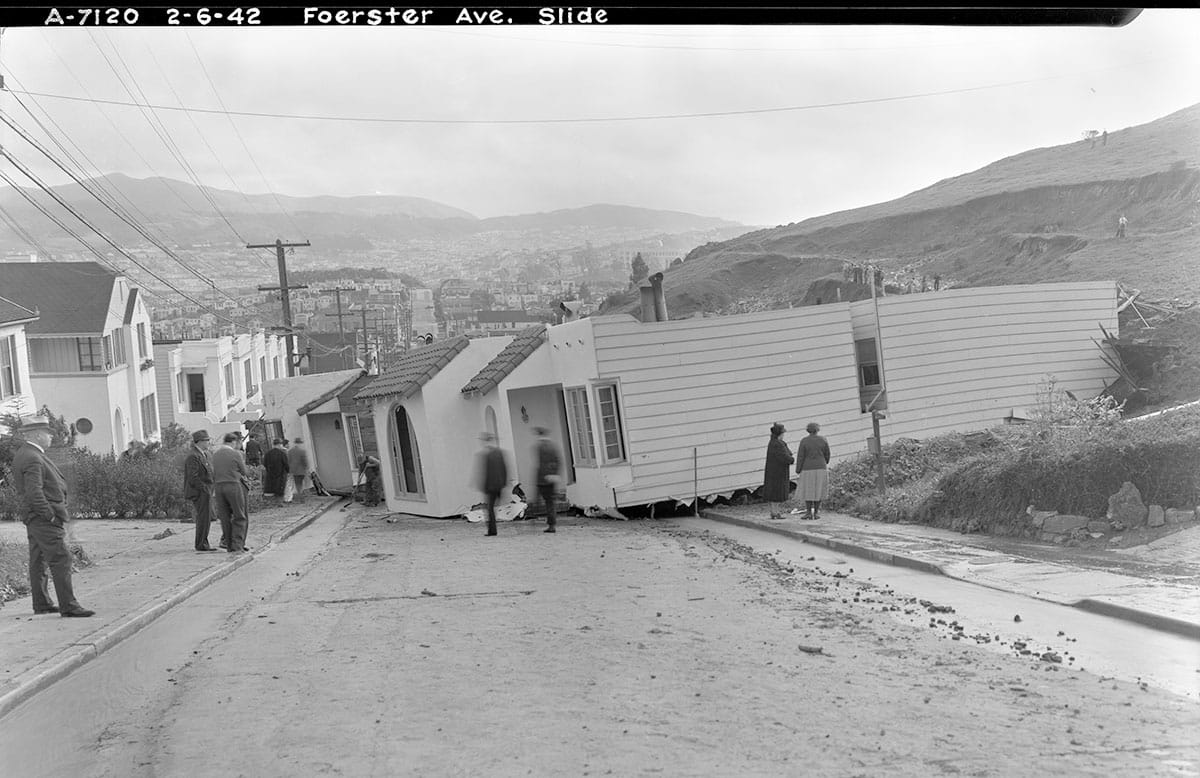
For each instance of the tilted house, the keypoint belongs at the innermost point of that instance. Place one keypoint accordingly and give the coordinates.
(674, 410)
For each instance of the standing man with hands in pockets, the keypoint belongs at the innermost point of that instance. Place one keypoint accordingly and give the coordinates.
(42, 491)
(198, 488)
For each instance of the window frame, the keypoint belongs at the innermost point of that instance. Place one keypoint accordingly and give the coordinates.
(11, 370)
(605, 429)
(143, 352)
(579, 424)
(94, 362)
(230, 389)
(862, 366)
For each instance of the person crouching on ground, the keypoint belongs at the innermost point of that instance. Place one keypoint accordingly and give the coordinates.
(230, 483)
(812, 461)
(549, 463)
(777, 484)
(493, 476)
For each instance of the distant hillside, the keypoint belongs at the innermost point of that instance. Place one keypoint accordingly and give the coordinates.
(1045, 215)
(189, 215)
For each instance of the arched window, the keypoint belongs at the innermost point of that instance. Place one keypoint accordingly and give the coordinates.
(406, 456)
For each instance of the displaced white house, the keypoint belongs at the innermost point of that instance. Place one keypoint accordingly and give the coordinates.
(310, 407)
(16, 390)
(650, 411)
(89, 352)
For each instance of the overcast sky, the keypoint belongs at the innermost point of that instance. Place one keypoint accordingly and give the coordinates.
(1028, 88)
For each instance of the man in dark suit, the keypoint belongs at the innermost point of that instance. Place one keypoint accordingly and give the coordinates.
(230, 483)
(43, 493)
(493, 476)
(198, 488)
(547, 477)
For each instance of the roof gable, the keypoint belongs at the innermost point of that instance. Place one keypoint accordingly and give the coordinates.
(328, 395)
(72, 297)
(523, 345)
(414, 370)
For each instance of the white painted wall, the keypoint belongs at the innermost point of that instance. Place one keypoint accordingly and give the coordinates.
(717, 385)
(961, 359)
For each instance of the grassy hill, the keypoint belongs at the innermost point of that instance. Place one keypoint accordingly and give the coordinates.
(1044, 215)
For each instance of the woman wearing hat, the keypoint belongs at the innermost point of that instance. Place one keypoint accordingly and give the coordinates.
(777, 484)
(812, 460)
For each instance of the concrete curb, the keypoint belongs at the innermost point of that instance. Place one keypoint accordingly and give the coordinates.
(91, 646)
(1145, 618)
(852, 549)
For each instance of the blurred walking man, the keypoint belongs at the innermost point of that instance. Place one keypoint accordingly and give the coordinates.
(493, 477)
(298, 464)
(548, 464)
(43, 494)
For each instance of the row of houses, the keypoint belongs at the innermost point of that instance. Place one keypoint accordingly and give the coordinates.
(76, 337)
(652, 411)
(644, 411)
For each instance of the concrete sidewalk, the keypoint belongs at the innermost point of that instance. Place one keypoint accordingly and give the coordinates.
(1126, 584)
(139, 574)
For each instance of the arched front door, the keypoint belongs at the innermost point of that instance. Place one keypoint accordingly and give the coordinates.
(406, 455)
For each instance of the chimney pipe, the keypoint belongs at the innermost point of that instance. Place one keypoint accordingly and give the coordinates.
(660, 300)
(648, 306)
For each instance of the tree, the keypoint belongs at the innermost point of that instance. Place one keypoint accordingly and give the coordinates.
(640, 270)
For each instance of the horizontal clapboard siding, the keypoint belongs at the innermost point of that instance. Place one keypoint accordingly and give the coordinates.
(961, 359)
(717, 384)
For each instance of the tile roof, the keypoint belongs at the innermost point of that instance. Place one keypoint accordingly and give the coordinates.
(525, 343)
(72, 297)
(414, 369)
(346, 398)
(12, 312)
(327, 395)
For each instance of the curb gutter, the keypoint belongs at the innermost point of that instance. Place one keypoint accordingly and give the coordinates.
(1101, 607)
(91, 646)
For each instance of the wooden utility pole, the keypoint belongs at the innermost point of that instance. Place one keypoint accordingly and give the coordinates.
(340, 315)
(283, 289)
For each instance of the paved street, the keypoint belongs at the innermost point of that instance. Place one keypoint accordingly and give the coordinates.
(421, 647)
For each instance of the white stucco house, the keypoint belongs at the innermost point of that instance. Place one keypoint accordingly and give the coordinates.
(215, 384)
(89, 351)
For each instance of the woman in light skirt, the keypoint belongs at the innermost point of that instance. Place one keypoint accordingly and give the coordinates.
(812, 463)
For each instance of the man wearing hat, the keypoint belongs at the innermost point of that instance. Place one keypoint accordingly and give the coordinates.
(230, 482)
(545, 453)
(43, 494)
(198, 487)
(492, 474)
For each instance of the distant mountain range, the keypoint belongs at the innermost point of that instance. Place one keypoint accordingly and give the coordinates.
(1049, 214)
(190, 215)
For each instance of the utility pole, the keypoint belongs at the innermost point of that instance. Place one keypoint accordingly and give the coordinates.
(283, 289)
(340, 315)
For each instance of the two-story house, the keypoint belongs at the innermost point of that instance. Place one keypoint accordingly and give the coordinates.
(89, 352)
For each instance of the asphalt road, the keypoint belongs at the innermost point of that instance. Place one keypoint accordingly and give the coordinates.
(609, 648)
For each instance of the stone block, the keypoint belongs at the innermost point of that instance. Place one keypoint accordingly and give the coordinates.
(1061, 523)
(1038, 518)
(1098, 526)
(1155, 516)
(1177, 516)
(1126, 506)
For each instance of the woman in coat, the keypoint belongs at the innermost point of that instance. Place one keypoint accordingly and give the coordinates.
(776, 477)
(812, 460)
(275, 463)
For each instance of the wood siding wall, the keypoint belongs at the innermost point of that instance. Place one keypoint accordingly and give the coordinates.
(961, 359)
(717, 384)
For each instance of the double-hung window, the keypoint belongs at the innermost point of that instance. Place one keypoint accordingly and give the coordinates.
(580, 426)
(10, 379)
(610, 423)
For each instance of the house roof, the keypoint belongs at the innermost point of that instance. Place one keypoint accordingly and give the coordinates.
(346, 398)
(11, 312)
(414, 369)
(72, 297)
(511, 317)
(327, 395)
(525, 343)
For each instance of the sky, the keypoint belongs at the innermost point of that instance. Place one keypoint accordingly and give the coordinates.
(762, 125)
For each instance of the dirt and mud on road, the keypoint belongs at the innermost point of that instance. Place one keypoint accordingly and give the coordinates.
(610, 648)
